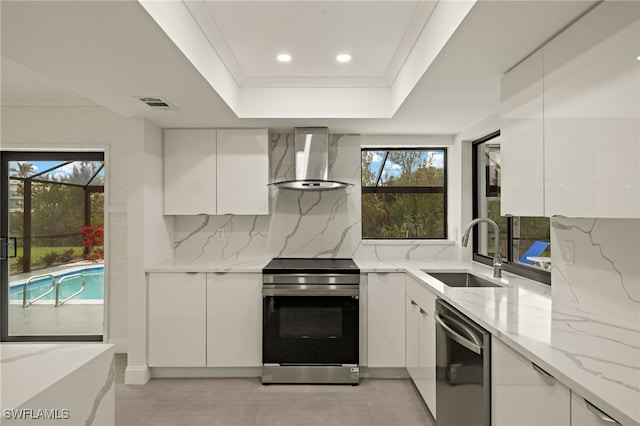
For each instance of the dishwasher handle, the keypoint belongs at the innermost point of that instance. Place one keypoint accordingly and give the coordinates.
(470, 341)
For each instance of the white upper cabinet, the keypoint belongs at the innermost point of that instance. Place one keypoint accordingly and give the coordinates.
(189, 171)
(571, 121)
(592, 115)
(216, 172)
(243, 171)
(521, 141)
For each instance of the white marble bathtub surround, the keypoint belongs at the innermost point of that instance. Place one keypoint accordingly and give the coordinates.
(604, 276)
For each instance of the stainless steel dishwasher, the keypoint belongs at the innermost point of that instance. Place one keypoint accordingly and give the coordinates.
(463, 369)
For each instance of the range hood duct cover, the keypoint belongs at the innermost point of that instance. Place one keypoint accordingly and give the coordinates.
(311, 146)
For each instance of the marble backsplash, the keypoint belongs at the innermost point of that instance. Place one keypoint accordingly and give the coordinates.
(302, 223)
(605, 273)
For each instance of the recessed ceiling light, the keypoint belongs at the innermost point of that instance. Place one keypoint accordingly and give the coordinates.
(284, 57)
(343, 57)
(638, 58)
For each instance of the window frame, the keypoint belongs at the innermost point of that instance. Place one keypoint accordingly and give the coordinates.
(508, 264)
(409, 190)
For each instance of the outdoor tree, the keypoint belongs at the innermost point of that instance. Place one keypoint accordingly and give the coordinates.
(57, 207)
(416, 209)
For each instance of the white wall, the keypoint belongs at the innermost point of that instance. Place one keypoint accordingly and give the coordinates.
(149, 240)
(88, 128)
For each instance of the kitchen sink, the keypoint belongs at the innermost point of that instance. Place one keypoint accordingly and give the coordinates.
(460, 279)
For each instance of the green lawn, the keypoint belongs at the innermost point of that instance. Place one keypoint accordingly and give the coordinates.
(38, 253)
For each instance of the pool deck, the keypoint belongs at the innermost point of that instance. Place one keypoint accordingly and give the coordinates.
(43, 318)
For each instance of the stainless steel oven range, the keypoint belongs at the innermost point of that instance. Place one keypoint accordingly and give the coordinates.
(310, 321)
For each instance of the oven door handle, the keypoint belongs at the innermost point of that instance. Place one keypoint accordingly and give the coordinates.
(309, 292)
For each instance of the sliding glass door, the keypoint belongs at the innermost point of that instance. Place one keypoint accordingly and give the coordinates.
(52, 245)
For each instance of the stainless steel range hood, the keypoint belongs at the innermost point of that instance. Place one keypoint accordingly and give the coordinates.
(311, 161)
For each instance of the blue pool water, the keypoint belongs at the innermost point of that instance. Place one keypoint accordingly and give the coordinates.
(94, 286)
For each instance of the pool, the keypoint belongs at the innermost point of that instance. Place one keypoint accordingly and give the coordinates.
(93, 292)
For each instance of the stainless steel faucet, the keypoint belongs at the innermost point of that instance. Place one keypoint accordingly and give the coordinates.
(497, 258)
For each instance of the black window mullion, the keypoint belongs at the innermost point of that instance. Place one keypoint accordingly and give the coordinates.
(403, 189)
(509, 238)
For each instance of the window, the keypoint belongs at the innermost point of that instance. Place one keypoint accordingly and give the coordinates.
(524, 241)
(404, 193)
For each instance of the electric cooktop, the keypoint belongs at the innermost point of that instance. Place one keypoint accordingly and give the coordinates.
(307, 265)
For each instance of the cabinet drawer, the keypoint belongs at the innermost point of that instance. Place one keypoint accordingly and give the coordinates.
(584, 413)
(421, 295)
(522, 393)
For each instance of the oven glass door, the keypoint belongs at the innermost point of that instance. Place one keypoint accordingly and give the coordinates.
(307, 330)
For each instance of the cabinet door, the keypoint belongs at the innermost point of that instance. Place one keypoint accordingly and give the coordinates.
(592, 115)
(412, 337)
(177, 320)
(385, 320)
(521, 139)
(234, 320)
(583, 413)
(243, 171)
(422, 312)
(427, 384)
(189, 171)
(521, 394)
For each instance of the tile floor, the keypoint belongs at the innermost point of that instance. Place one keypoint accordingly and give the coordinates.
(246, 402)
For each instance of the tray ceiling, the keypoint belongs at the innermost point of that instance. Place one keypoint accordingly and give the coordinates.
(409, 77)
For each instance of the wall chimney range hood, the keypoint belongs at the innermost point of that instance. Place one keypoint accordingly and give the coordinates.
(311, 146)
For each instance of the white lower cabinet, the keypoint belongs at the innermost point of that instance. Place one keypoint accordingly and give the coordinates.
(584, 413)
(234, 320)
(421, 340)
(524, 394)
(177, 320)
(385, 320)
(205, 320)
(412, 337)
(427, 383)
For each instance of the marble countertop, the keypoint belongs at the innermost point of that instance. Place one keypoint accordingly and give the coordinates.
(26, 369)
(186, 265)
(596, 355)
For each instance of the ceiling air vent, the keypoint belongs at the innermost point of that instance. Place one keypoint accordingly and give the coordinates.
(156, 102)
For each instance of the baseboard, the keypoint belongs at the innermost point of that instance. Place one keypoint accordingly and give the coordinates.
(136, 375)
(383, 373)
(191, 372)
